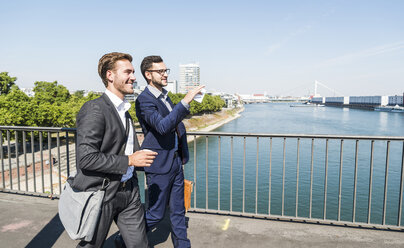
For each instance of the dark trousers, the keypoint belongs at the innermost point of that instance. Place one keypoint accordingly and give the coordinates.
(168, 188)
(127, 212)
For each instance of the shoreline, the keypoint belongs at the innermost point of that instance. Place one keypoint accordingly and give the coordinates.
(209, 122)
(214, 125)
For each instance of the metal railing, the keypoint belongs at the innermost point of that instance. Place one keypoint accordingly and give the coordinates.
(331, 179)
(36, 160)
(318, 184)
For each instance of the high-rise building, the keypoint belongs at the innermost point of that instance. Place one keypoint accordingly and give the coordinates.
(189, 77)
(172, 86)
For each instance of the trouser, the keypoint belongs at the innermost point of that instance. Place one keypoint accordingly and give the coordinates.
(127, 212)
(168, 188)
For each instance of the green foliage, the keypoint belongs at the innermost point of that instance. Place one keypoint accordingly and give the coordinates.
(132, 112)
(208, 105)
(54, 106)
(6, 82)
(176, 98)
(46, 92)
(15, 108)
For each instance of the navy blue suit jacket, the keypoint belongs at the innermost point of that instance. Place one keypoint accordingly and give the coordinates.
(159, 127)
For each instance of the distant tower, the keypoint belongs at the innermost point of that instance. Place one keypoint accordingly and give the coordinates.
(172, 86)
(189, 77)
(315, 89)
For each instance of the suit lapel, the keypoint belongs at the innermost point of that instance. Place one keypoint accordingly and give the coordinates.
(114, 112)
(170, 102)
(162, 105)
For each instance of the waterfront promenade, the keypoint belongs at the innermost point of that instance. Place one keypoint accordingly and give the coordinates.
(29, 221)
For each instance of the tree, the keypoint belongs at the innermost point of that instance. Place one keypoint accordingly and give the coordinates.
(15, 108)
(50, 92)
(79, 93)
(6, 82)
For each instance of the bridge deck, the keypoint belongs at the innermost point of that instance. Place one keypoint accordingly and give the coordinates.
(27, 221)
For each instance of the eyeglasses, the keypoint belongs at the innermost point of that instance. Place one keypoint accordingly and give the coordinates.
(161, 72)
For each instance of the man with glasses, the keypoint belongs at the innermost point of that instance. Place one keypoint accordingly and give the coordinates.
(165, 134)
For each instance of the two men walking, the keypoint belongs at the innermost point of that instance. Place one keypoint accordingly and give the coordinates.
(107, 147)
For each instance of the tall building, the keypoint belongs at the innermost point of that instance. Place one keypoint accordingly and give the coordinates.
(189, 77)
(172, 86)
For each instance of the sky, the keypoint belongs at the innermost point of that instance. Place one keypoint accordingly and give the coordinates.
(274, 47)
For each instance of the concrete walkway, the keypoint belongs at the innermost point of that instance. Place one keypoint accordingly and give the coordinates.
(28, 221)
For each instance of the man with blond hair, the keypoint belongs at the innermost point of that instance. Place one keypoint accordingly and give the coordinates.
(107, 149)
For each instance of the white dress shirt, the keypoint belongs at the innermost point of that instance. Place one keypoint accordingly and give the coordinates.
(122, 107)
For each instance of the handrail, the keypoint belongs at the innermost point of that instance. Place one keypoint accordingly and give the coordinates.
(204, 133)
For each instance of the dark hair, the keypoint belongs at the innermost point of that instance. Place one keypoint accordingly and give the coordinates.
(107, 62)
(147, 63)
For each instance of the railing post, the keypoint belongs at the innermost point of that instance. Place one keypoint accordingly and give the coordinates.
(355, 181)
(24, 144)
(244, 175)
(231, 173)
(386, 174)
(10, 169)
(207, 175)
(59, 164)
(270, 176)
(67, 155)
(33, 159)
(325, 180)
(400, 205)
(50, 162)
(370, 180)
(256, 180)
(2, 159)
(17, 160)
(41, 152)
(311, 177)
(218, 177)
(283, 176)
(341, 154)
(297, 178)
(195, 171)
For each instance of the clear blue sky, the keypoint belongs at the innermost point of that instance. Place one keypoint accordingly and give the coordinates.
(281, 47)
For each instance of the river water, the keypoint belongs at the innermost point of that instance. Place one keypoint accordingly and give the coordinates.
(267, 166)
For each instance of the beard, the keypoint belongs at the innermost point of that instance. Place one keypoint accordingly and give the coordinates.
(123, 88)
(159, 82)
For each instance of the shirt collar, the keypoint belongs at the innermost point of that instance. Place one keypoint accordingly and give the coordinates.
(156, 93)
(118, 102)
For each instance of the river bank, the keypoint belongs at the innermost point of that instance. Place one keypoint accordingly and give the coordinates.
(209, 122)
(205, 122)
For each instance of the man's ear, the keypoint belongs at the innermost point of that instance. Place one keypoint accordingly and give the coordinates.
(148, 75)
(110, 76)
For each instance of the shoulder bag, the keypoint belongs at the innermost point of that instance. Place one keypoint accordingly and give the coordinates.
(79, 211)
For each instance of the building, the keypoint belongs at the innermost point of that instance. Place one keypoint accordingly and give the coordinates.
(189, 77)
(136, 92)
(172, 86)
(28, 91)
(254, 98)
